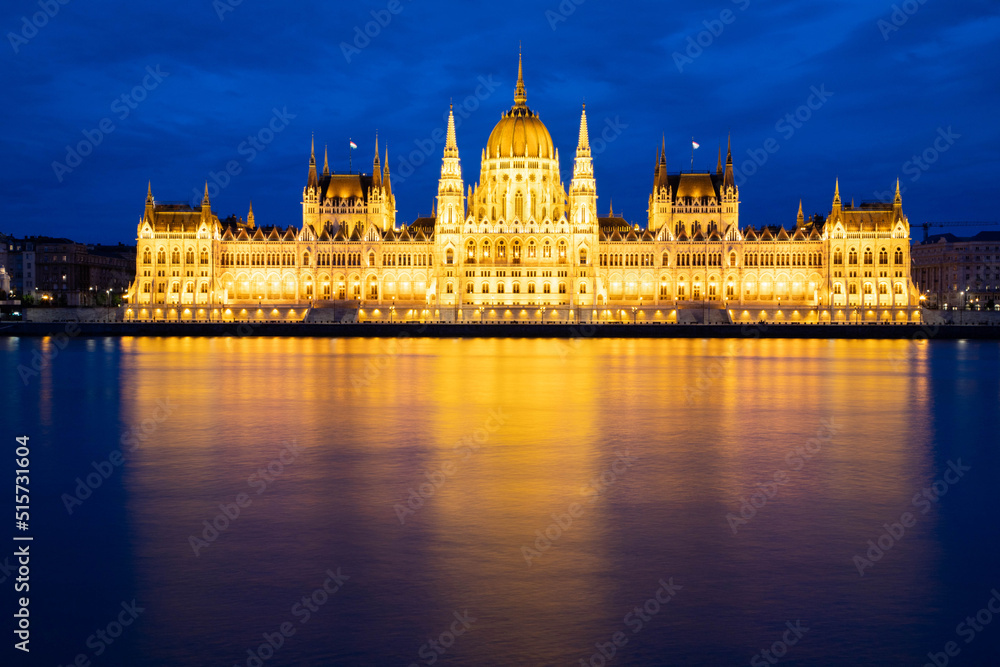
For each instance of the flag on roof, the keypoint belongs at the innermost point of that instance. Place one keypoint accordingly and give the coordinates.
(695, 144)
(353, 145)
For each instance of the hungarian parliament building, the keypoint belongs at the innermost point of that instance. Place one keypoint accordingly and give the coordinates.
(517, 246)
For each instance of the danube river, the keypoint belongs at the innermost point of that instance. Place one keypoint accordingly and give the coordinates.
(267, 501)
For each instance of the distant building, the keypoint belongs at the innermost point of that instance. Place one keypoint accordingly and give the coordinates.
(68, 272)
(954, 272)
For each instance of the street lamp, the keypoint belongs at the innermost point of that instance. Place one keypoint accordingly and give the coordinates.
(392, 310)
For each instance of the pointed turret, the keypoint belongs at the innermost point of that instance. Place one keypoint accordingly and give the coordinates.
(583, 188)
(386, 183)
(313, 181)
(520, 95)
(451, 142)
(326, 161)
(898, 200)
(836, 194)
(149, 201)
(583, 146)
(376, 169)
(659, 201)
(250, 222)
(729, 180)
(205, 203)
(800, 219)
(450, 209)
(149, 191)
(661, 177)
(718, 165)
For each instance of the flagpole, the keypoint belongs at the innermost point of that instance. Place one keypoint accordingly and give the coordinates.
(350, 156)
(692, 155)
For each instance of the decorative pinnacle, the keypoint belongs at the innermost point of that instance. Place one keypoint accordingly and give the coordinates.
(584, 134)
(520, 96)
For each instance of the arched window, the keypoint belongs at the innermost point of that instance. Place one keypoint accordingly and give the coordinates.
(305, 258)
(838, 288)
(562, 251)
(531, 249)
(883, 288)
(547, 249)
(501, 249)
(516, 288)
(175, 256)
(519, 205)
(500, 288)
(583, 256)
(470, 250)
(852, 257)
(189, 256)
(562, 288)
(897, 289)
(449, 256)
(868, 256)
(665, 260)
(204, 255)
(732, 259)
(547, 288)
(852, 289)
(883, 256)
(531, 288)
(486, 249)
(898, 259)
(838, 257)
(486, 288)
(515, 250)
(868, 288)
(371, 261)
(583, 288)
(147, 256)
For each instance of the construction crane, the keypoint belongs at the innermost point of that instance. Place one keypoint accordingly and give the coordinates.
(927, 225)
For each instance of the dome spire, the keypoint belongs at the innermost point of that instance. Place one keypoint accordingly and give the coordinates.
(520, 96)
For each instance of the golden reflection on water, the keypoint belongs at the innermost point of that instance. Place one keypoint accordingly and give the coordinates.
(706, 420)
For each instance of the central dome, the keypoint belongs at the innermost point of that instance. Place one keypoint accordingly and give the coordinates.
(520, 133)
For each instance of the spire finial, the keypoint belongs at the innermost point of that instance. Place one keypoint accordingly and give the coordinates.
(312, 148)
(326, 161)
(520, 95)
(149, 189)
(836, 192)
(451, 142)
(718, 165)
(584, 133)
(250, 221)
(205, 199)
(800, 218)
(729, 149)
(899, 196)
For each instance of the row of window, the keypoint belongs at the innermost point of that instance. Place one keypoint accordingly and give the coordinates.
(175, 256)
(869, 257)
(868, 288)
(515, 288)
(626, 259)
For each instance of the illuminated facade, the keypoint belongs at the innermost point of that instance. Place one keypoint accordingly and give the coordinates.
(518, 246)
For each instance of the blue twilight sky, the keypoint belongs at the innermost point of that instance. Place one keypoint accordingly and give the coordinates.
(172, 91)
